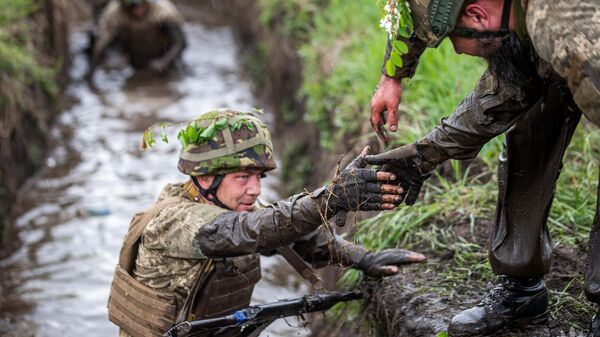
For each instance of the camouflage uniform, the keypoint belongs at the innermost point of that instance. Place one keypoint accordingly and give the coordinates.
(178, 242)
(158, 35)
(538, 123)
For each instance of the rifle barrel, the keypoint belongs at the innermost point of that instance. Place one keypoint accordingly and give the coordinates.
(272, 311)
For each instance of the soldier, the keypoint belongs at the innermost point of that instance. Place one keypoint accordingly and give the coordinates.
(148, 31)
(195, 253)
(544, 71)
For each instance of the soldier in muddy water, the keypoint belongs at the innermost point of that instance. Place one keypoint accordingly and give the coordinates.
(195, 253)
(544, 72)
(148, 31)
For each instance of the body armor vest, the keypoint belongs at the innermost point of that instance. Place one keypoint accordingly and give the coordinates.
(222, 286)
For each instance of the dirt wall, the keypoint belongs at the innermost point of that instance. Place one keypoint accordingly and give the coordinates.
(28, 110)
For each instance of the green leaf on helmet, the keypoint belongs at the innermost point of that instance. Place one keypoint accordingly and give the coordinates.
(235, 126)
(148, 138)
(221, 123)
(181, 138)
(250, 126)
(390, 68)
(208, 133)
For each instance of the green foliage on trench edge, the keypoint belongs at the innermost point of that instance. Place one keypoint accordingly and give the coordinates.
(19, 64)
(342, 49)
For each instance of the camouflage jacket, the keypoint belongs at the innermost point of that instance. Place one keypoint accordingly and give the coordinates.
(566, 38)
(170, 254)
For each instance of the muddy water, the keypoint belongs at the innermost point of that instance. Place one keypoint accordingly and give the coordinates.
(74, 213)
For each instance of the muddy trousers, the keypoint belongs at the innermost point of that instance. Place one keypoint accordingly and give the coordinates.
(520, 244)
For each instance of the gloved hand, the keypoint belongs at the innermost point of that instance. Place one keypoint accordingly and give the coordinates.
(595, 326)
(409, 166)
(386, 262)
(357, 188)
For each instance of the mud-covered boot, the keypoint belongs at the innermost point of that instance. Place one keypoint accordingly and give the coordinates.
(511, 302)
(595, 326)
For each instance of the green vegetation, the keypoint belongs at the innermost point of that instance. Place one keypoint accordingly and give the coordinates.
(342, 48)
(19, 64)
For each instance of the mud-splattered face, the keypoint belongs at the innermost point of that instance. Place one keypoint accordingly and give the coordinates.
(239, 190)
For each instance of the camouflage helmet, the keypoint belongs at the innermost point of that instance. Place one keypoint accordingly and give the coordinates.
(433, 20)
(225, 141)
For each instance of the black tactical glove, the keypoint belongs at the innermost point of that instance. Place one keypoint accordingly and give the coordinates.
(359, 189)
(595, 326)
(385, 262)
(409, 166)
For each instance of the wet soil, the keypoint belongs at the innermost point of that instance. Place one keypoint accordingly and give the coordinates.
(422, 299)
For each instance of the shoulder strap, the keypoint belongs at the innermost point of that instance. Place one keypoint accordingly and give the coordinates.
(301, 266)
(129, 250)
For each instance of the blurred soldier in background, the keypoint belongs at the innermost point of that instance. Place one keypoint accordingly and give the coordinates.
(195, 253)
(148, 31)
(544, 72)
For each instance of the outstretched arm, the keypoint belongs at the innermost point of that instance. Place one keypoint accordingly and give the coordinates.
(355, 188)
(321, 248)
(491, 109)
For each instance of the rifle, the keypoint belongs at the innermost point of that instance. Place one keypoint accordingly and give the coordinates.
(253, 319)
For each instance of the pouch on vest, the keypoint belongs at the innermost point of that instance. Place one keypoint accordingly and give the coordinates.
(138, 309)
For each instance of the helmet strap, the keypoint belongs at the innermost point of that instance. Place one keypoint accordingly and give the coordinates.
(503, 32)
(210, 193)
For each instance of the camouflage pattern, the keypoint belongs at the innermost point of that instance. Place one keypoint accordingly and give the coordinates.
(566, 34)
(168, 260)
(145, 37)
(231, 150)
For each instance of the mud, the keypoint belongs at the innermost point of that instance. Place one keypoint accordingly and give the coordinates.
(422, 300)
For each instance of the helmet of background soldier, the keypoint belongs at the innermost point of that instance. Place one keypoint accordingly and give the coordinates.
(434, 19)
(225, 141)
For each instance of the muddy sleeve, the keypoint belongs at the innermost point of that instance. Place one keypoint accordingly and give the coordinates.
(177, 39)
(490, 110)
(410, 60)
(261, 231)
(321, 248)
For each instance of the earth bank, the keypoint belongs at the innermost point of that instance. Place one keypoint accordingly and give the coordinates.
(34, 57)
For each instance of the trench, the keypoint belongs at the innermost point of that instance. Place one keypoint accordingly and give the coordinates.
(71, 216)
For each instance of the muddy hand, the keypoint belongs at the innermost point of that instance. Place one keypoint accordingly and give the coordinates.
(357, 188)
(386, 262)
(408, 165)
(386, 98)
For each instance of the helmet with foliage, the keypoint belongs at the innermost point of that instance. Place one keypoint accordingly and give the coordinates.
(225, 141)
(433, 20)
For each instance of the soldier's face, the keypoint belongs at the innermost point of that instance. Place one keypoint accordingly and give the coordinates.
(239, 190)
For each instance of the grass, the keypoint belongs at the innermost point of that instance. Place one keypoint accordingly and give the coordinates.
(342, 48)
